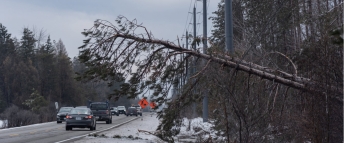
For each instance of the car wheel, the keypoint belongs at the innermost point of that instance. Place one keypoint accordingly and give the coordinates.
(68, 128)
(111, 121)
(107, 122)
(140, 114)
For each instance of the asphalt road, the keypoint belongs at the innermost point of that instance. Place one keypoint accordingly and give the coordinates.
(52, 132)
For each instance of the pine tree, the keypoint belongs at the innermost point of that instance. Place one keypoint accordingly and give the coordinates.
(6, 49)
(27, 47)
(46, 65)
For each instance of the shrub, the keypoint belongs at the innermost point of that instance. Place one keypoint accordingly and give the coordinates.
(17, 117)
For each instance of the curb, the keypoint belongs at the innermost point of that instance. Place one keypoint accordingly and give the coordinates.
(6, 129)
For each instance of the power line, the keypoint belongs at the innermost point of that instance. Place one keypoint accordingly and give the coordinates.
(211, 23)
(187, 18)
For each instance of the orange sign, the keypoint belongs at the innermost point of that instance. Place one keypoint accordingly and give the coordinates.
(152, 105)
(143, 103)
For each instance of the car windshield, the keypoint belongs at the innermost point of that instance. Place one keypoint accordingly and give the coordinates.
(79, 111)
(131, 109)
(65, 109)
(99, 107)
(120, 107)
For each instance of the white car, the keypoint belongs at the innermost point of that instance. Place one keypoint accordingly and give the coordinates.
(121, 110)
(114, 111)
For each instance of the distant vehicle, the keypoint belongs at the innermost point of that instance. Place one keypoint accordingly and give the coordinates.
(101, 111)
(121, 110)
(139, 109)
(132, 111)
(114, 111)
(81, 107)
(80, 118)
(61, 115)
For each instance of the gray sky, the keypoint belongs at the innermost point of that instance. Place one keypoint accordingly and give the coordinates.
(66, 19)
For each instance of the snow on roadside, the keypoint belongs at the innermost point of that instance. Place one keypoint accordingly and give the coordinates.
(191, 131)
(195, 129)
(194, 124)
(3, 124)
(128, 132)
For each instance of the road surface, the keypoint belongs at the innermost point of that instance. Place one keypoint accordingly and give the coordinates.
(52, 132)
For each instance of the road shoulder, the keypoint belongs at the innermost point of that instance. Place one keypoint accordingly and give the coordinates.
(128, 132)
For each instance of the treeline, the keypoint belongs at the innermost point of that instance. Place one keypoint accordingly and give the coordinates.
(35, 72)
(301, 37)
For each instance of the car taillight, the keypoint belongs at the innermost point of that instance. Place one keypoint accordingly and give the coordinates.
(68, 117)
(88, 117)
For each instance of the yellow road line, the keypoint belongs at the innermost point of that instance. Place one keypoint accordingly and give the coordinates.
(12, 135)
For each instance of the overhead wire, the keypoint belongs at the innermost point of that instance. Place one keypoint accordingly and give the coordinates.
(187, 18)
(211, 23)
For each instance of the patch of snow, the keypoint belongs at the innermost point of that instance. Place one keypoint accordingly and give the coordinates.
(3, 124)
(196, 128)
(128, 132)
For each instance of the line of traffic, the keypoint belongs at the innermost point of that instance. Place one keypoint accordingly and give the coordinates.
(73, 138)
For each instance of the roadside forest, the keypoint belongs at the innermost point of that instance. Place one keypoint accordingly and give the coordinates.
(36, 72)
(283, 83)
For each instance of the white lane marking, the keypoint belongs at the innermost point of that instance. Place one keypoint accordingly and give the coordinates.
(96, 131)
(26, 126)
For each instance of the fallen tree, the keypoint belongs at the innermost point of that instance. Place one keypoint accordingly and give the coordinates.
(110, 50)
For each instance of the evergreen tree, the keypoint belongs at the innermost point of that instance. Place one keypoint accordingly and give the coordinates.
(6, 49)
(65, 77)
(27, 47)
(46, 66)
(5, 43)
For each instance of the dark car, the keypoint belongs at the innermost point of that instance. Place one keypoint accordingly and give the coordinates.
(138, 108)
(121, 110)
(61, 115)
(132, 111)
(81, 107)
(101, 111)
(114, 111)
(80, 118)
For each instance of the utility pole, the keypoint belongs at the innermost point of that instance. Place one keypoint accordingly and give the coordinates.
(229, 26)
(205, 98)
(194, 60)
(194, 24)
(187, 61)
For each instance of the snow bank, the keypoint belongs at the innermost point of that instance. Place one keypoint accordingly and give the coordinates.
(128, 132)
(195, 130)
(191, 131)
(3, 124)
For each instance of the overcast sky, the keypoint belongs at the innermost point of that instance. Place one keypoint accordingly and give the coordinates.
(66, 19)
